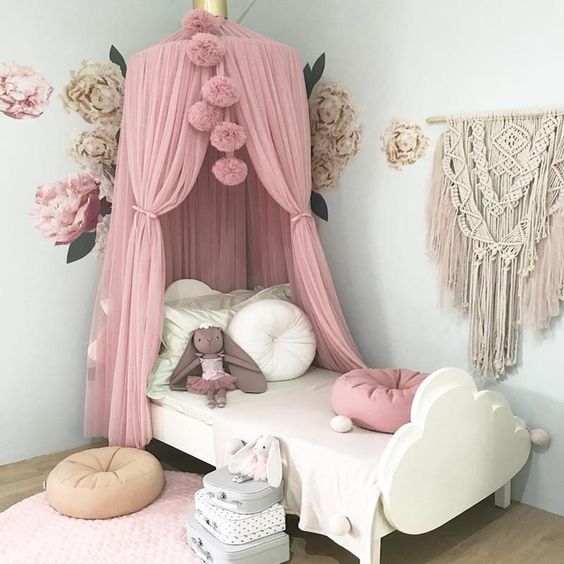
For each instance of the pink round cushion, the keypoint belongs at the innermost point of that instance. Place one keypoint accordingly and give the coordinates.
(376, 399)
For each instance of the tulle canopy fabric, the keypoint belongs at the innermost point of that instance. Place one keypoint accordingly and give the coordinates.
(172, 219)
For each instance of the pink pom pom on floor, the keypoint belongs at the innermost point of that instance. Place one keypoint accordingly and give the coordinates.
(205, 50)
(200, 21)
(230, 170)
(203, 116)
(220, 91)
(228, 137)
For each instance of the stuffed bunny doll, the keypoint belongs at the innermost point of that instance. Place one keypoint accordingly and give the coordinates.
(259, 460)
(201, 369)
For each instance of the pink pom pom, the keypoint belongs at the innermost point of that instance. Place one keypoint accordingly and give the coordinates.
(230, 170)
(228, 137)
(205, 50)
(203, 116)
(200, 21)
(220, 91)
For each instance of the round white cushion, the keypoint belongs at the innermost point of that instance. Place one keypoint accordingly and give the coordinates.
(277, 335)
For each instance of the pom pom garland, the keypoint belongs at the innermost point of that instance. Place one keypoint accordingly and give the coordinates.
(203, 116)
(205, 50)
(228, 137)
(200, 21)
(230, 170)
(220, 91)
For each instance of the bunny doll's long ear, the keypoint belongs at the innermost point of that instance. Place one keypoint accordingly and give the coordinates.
(238, 460)
(274, 464)
(250, 379)
(189, 365)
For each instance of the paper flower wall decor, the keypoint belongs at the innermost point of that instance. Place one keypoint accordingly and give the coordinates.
(95, 91)
(335, 134)
(24, 92)
(403, 143)
(66, 209)
(75, 211)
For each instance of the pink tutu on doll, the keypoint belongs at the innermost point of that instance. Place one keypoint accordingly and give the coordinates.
(213, 378)
(202, 386)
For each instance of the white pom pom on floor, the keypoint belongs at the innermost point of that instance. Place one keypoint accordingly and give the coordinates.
(341, 424)
(339, 525)
(540, 437)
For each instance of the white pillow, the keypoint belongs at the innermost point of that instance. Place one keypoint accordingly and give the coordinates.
(186, 288)
(183, 316)
(277, 335)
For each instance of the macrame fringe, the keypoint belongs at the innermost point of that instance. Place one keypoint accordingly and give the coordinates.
(445, 241)
(543, 291)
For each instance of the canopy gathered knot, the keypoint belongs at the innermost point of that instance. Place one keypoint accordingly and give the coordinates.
(148, 213)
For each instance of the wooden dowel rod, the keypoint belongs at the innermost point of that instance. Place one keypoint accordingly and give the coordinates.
(436, 119)
(518, 114)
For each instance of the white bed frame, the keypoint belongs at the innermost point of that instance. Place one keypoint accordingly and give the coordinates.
(461, 446)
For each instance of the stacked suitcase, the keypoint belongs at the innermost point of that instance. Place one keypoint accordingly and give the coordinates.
(238, 522)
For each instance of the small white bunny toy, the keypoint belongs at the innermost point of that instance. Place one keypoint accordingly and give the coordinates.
(259, 460)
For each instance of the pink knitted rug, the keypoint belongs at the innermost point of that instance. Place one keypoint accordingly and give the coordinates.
(31, 532)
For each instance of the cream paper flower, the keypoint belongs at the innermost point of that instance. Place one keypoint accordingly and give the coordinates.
(95, 146)
(95, 91)
(403, 143)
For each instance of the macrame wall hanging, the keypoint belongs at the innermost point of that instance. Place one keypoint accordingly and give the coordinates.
(496, 227)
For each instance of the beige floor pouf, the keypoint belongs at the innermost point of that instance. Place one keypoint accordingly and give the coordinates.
(104, 482)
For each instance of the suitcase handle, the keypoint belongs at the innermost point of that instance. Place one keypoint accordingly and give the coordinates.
(207, 521)
(198, 550)
(218, 502)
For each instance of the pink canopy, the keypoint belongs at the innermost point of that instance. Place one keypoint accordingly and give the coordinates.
(172, 219)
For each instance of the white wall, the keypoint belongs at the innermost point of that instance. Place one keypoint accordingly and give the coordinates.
(46, 305)
(412, 59)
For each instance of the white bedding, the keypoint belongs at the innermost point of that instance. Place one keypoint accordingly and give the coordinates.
(314, 380)
(326, 473)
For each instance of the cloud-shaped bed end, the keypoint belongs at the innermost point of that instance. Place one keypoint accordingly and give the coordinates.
(461, 445)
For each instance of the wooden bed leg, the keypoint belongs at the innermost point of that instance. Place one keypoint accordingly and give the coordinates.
(502, 497)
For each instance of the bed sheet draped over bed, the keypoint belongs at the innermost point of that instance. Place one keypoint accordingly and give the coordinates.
(161, 159)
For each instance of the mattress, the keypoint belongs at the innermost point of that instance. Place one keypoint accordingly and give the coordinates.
(315, 380)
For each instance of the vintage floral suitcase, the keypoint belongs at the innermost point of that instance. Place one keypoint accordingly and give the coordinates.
(244, 497)
(274, 549)
(238, 528)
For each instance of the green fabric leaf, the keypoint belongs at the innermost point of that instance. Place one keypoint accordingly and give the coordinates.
(319, 206)
(318, 68)
(117, 58)
(81, 246)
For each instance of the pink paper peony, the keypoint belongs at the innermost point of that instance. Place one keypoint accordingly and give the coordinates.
(205, 50)
(23, 91)
(220, 91)
(228, 137)
(203, 116)
(230, 170)
(200, 21)
(66, 209)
